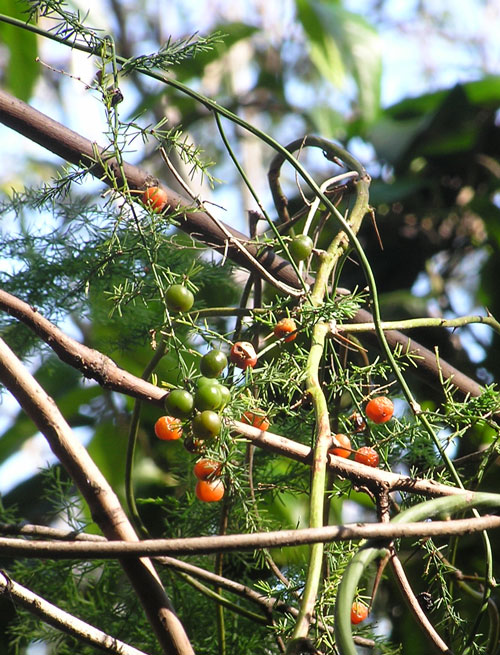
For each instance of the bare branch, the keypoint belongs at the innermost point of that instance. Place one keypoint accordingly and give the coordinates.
(62, 620)
(10, 547)
(74, 148)
(92, 363)
(77, 149)
(418, 612)
(359, 474)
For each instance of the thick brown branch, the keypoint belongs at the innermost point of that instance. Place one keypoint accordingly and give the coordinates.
(74, 148)
(427, 369)
(94, 364)
(102, 501)
(266, 603)
(62, 620)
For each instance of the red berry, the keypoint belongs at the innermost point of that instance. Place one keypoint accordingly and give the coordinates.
(155, 198)
(344, 441)
(286, 326)
(243, 355)
(168, 428)
(359, 612)
(380, 409)
(206, 468)
(368, 456)
(209, 491)
(257, 420)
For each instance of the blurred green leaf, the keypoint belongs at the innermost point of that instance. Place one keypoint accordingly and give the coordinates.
(231, 33)
(22, 70)
(435, 124)
(341, 42)
(324, 50)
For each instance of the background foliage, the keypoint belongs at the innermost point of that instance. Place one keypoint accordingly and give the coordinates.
(310, 67)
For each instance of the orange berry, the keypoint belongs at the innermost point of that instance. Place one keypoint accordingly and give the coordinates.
(380, 409)
(206, 468)
(366, 455)
(257, 420)
(359, 612)
(209, 491)
(168, 428)
(155, 198)
(286, 326)
(341, 440)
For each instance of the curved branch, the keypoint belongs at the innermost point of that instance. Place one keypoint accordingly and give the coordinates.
(428, 368)
(78, 150)
(414, 605)
(97, 366)
(359, 474)
(92, 363)
(266, 603)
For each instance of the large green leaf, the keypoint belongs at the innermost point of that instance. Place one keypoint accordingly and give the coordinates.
(341, 42)
(22, 70)
(435, 124)
(479, 92)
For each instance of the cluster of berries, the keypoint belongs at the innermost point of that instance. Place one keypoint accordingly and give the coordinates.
(379, 410)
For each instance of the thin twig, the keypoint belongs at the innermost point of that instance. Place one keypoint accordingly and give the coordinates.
(254, 264)
(414, 606)
(10, 547)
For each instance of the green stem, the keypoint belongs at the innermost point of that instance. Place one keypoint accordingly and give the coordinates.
(346, 594)
(271, 224)
(323, 437)
(221, 600)
(368, 553)
(132, 440)
(411, 323)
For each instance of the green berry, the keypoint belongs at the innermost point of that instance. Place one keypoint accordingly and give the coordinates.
(179, 403)
(213, 363)
(301, 247)
(179, 298)
(208, 396)
(206, 425)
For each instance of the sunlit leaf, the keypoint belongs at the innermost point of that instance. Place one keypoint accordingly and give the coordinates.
(343, 42)
(22, 70)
